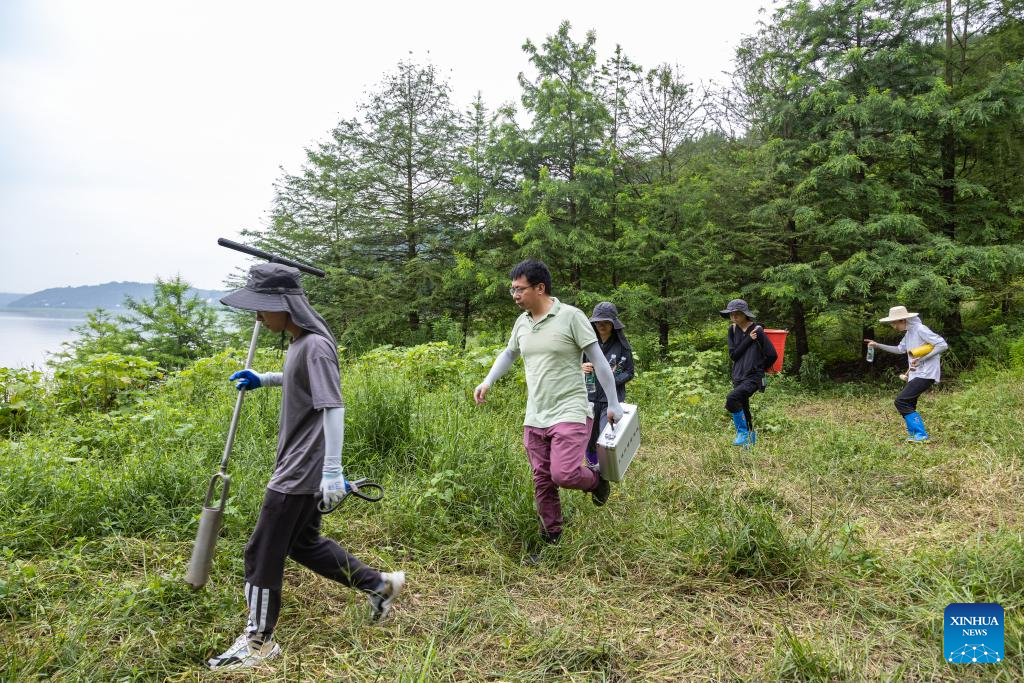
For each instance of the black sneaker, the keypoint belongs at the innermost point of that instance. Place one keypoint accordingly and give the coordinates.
(601, 493)
(550, 537)
(547, 538)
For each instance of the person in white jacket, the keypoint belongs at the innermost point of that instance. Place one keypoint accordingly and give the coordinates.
(924, 365)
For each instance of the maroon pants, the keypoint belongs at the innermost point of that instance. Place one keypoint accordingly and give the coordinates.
(556, 458)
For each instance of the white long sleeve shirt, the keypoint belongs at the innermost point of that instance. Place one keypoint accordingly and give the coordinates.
(918, 334)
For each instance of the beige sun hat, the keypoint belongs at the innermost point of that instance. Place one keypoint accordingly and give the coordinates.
(897, 313)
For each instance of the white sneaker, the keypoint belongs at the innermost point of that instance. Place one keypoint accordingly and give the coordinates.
(380, 601)
(242, 656)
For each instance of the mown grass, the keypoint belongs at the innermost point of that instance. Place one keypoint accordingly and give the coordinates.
(826, 553)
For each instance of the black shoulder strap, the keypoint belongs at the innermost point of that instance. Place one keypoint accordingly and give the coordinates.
(763, 339)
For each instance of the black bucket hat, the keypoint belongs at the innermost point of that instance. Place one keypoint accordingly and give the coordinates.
(737, 305)
(606, 312)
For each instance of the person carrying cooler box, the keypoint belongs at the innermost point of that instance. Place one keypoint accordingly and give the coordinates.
(551, 336)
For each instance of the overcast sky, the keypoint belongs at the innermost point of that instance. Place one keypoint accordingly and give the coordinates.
(134, 133)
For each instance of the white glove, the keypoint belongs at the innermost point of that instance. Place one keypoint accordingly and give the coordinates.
(333, 489)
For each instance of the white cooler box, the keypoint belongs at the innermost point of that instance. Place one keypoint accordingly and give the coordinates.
(618, 443)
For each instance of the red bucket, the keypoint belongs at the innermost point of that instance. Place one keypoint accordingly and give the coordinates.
(778, 340)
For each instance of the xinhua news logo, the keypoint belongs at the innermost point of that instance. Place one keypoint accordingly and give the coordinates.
(972, 633)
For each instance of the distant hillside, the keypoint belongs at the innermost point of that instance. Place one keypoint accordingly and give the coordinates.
(7, 297)
(109, 296)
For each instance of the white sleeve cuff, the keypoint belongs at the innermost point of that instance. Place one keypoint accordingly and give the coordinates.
(271, 379)
(334, 439)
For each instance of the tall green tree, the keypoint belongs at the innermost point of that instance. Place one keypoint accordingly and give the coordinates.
(473, 286)
(378, 205)
(568, 185)
(619, 79)
(765, 99)
(315, 215)
(975, 119)
(665, 229)
(410, 137)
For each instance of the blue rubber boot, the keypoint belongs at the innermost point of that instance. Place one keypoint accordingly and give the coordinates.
(910, 427)
(915, 426)
(742, 433)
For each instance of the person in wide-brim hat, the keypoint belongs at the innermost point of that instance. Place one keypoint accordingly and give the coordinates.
(751, 353)
(897, 313)
(737, 306)
(611, 337)
(307, 478)
(275, 288)
(925, 365)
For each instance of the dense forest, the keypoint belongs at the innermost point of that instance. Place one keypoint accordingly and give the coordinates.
(862, 154)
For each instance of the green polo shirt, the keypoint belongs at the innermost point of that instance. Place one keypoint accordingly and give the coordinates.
(551, 350)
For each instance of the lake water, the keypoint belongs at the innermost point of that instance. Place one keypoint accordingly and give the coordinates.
(27, 337)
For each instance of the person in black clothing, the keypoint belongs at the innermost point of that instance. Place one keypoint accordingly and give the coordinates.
(751, 353)
(612, 339)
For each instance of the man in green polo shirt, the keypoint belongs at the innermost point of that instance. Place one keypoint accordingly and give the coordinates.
(551, 336)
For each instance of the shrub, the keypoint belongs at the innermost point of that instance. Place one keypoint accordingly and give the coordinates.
(795, 659)
(812, 370)
(22, 396)
(98, 381)
(681, 390)
(1016, 353)
(752, 541)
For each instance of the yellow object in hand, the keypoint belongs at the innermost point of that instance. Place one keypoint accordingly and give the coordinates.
(922, 350)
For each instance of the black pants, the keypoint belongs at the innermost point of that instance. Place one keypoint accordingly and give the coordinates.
(906, 402)
(289, 525)
(739, 398)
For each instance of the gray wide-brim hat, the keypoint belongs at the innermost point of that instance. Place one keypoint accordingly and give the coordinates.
(265, 289)
(740, 306)
(606, 312)
(274, 288)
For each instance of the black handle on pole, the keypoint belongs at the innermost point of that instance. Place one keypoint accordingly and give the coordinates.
(273, 258)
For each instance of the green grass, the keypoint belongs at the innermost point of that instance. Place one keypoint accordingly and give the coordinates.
(827, 553)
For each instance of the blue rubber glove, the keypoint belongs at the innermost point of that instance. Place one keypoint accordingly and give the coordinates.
(247, 379)
(333, 489)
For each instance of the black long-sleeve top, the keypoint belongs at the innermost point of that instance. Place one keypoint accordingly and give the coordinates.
(747, 355)
(620, 358)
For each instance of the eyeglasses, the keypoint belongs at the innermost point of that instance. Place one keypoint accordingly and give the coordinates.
(519, 290)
